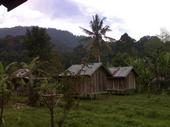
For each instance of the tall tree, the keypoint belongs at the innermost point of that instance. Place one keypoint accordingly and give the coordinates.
(97, 35)
(37, 42)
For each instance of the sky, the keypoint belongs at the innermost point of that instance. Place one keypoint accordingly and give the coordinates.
(135, 17)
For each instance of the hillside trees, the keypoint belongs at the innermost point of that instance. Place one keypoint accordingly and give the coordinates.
(153, 71)
(159, 63)
(37, 43)
(145, 75)
(12, 49)
(125, 44)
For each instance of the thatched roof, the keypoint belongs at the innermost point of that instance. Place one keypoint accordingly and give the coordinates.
(83, 69)
(121, 72)
(26, 74)
(11, 4)
(22, 73)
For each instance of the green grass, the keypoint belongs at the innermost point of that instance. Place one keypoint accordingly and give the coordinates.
(106, 111)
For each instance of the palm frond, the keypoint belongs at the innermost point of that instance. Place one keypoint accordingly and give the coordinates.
(110, 39)
(10, 65)
(95, 24)
(87, 31)
(105, 29)
(101, 22)
(24, 65)
(33, 63)
(35, 60)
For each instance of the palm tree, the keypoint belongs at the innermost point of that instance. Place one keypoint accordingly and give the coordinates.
(97, 34)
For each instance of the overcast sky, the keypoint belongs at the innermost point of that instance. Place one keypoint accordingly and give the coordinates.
(135, 17)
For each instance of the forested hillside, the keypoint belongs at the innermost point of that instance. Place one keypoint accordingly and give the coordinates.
(11, 45)
(62, 40)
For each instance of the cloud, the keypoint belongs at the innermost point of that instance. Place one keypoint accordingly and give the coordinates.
(136, 17)
(140, 17)
(60, 14)
(57, 8)
(20, 16)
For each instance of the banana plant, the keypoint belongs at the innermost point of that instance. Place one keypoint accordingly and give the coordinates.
(4, 92)
(32, 67)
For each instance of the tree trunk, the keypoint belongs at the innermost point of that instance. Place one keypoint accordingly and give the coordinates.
(31, 93)
(99, 59)
(98, 53)
(50, 102)
(52, 117)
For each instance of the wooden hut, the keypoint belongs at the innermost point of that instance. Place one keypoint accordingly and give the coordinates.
(124, 79)
(11, 4)
(91, 79)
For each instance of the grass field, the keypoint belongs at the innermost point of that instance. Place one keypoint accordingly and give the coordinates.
(106, 111)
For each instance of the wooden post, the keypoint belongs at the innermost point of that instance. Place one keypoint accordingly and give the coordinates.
(50, 101)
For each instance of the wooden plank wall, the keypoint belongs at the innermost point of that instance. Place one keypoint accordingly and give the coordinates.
(97, 83)
(131, 79)
(123, 83)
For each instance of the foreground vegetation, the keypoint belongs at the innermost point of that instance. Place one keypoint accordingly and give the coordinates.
(105, 111)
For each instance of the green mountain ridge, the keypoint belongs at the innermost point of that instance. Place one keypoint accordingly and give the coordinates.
(63, 40)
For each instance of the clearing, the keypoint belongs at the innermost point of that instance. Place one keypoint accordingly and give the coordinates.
(106, 111)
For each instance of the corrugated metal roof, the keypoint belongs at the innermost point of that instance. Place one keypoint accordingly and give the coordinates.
(120, 71)
(82, 69)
